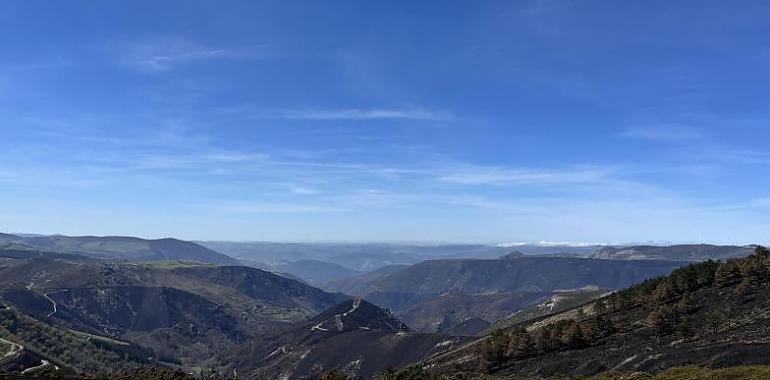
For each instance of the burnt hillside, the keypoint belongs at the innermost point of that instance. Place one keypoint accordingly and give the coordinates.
(715, 314)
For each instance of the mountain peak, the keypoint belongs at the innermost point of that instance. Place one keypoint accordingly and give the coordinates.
(356, 314)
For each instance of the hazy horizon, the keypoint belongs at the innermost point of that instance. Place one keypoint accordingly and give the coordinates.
(503, 244)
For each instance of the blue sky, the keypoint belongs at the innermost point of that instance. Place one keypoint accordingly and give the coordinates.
(483, 121)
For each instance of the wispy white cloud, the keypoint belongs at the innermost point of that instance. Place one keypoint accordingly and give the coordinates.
(486, 175)
(735, 156)
(261, 207)
(301, 190)
(356, 114)
(663, 133)
(750, 204)
(161, 54)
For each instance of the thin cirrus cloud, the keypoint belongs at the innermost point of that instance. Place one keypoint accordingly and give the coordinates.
(356, 114)
(301, 190)
(736, 156)
(163, 54)
(273, 208)
(663, 133)
(481, 175)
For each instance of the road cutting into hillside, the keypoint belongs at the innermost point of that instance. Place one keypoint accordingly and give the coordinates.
(14, 350)
(53, 303)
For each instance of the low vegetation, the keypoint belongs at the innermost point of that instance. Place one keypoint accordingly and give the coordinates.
(678, 373)
(86, 355)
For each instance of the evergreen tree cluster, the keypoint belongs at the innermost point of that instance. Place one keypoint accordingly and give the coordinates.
(668, 301)
(561, 335)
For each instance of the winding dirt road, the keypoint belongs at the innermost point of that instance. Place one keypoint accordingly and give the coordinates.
(43, 364)
(53, 303)
(14, 350)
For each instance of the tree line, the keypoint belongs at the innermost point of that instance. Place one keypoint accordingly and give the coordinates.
(667, 300)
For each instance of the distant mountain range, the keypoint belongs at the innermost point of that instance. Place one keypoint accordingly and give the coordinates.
(120, 248)
(357, 256)
(690, 253)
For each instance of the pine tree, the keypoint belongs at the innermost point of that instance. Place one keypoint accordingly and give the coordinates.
(727, 274)
(573, 336)
(687, 304)
(494, 347)
(600, 306)
(683, 328)
(663, 293)
(714, 322)
(543, 340)
(661, 320)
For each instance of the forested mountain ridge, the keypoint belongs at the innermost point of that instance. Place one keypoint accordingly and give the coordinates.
(712, 314)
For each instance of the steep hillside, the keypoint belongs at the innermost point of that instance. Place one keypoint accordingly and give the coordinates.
(555, 303)
(31, 347)
(359, 284)
(123, 248)
(315, 272)
(354, 337)
(184, 313)
(435, 295)
(711, 314)
(429, 279)
(467, 327)
(699, 252)
(443, 312)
